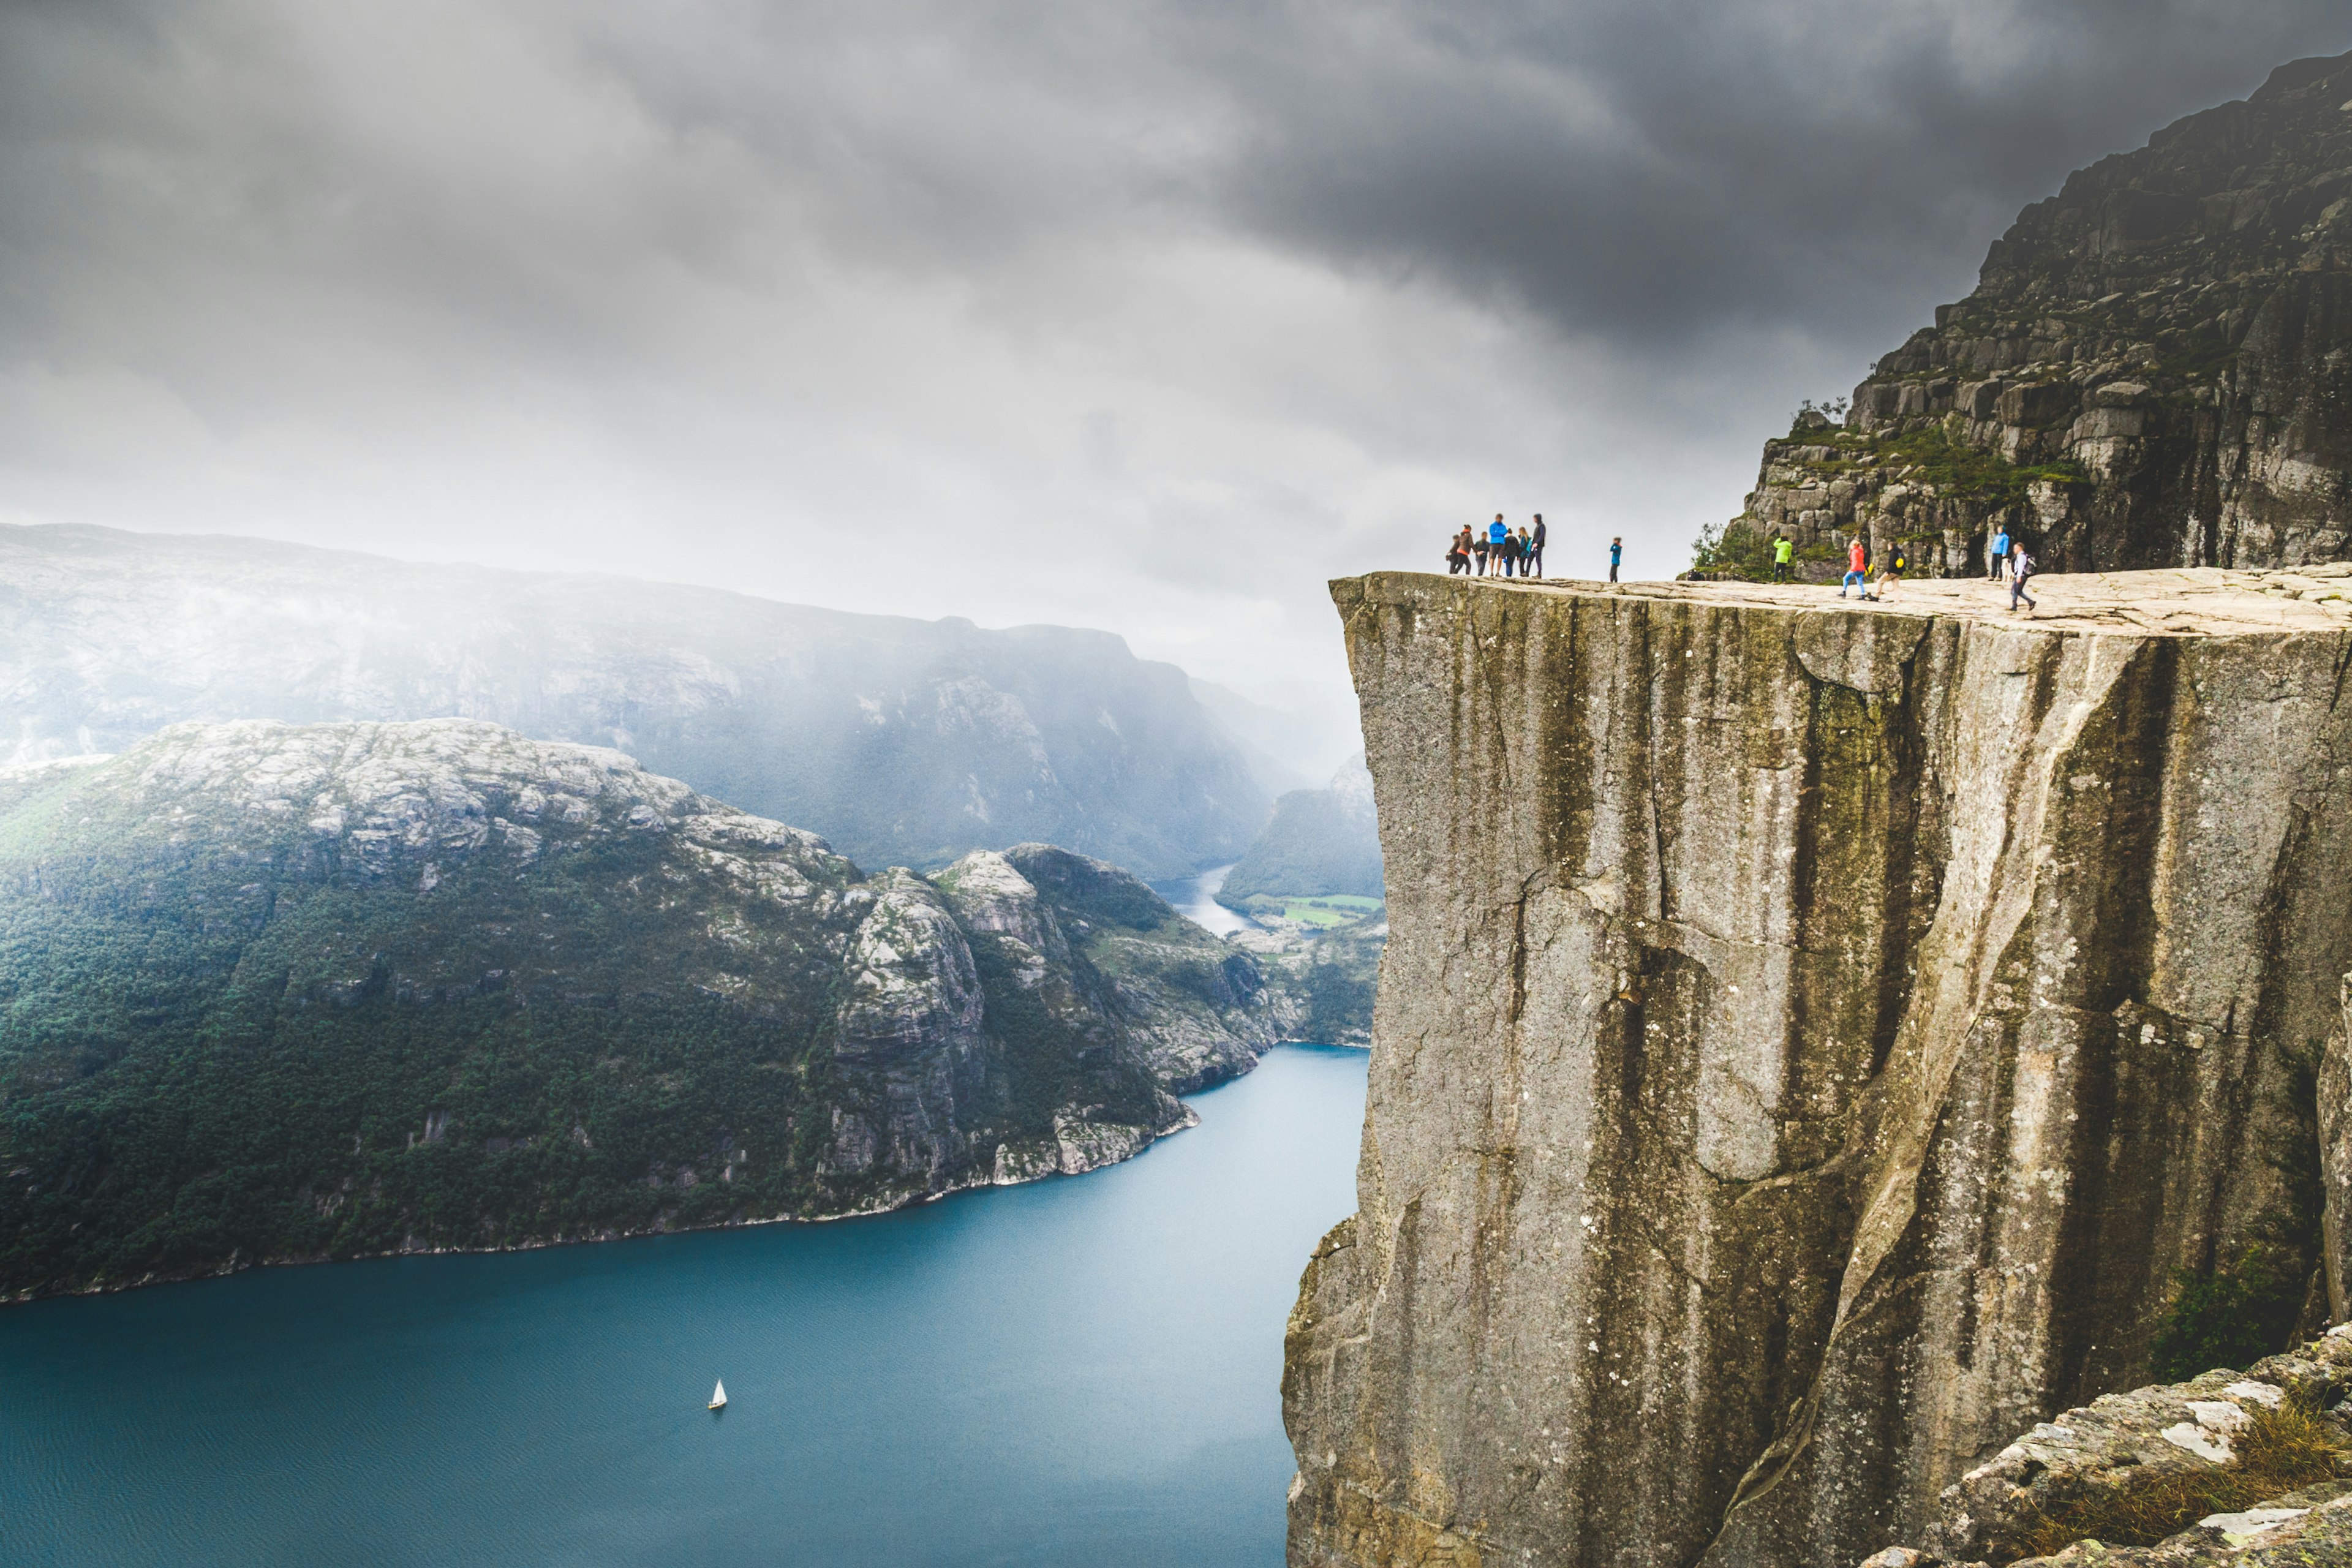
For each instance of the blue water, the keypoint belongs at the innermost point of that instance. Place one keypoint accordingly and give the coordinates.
(1082, 1372)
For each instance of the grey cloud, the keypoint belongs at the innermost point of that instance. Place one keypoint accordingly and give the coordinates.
(1144, 314)
(1648, 170)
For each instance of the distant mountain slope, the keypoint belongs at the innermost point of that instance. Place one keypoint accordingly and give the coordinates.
(902, 742)
(273, 993)
(1319, 841)
(2155, 369)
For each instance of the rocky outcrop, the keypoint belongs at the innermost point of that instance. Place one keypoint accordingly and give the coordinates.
(1874, 1010)
(2151, 372)
(903, 741)
(2250, 1467)
(280, 993)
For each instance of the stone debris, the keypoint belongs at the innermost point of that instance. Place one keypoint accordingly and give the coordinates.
(2113, 1446)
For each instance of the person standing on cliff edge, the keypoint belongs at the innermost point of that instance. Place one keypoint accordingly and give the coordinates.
(1780, 549)
(1616, 554)
(1496, 531)
(1535, 549)
(1997, 556)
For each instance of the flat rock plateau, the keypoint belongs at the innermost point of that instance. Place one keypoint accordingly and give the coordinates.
(1811, 1038)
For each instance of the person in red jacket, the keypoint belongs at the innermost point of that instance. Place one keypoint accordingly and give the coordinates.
(1857, 563)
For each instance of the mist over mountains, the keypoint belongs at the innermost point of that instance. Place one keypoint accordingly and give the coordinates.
(899, 741)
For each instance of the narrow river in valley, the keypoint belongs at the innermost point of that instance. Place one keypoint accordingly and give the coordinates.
(1081, 1371)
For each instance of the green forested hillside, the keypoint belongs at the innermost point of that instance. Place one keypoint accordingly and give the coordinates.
(271, 991)
(1319, 841)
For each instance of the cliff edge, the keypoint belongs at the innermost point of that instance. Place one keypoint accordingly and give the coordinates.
(1811, 1039)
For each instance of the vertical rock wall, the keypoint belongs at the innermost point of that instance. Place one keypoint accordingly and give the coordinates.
(1808, 1041)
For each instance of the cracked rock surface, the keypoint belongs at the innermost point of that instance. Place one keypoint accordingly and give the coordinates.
(1866, 1013)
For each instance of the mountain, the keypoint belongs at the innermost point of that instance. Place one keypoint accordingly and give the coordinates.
(1290, 746)
(2155, 370)
(902, 742)
(1318, 841)
(278, 993)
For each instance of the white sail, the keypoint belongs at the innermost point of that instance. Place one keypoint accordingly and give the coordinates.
(718, 1395)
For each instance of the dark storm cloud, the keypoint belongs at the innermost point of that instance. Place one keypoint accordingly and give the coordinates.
(1149, 314)
(1648, 169)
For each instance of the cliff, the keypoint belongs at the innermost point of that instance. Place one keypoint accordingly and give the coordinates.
(1872, 1012)
(902, 742)
(2151, 371)
(271, 993)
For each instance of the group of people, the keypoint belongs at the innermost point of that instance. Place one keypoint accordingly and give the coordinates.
(1475, 552)
(1495, 551)
(2008, 557)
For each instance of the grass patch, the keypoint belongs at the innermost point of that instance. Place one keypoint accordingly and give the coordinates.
(2279, 1451)
(1314, 910)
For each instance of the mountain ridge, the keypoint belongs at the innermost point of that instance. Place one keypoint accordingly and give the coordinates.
(2151, 372)
(899, 740)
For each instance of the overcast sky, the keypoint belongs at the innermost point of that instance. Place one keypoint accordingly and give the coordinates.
(1150, 316)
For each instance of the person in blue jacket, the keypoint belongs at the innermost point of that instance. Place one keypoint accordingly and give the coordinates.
(1997, 556)
(1616, 554)
(1495, 533)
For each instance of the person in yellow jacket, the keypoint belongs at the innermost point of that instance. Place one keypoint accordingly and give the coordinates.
(1782, 549)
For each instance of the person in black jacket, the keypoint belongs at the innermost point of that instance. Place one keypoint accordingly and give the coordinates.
(1534, 548)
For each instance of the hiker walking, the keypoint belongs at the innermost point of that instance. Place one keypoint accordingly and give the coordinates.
(1857, 561)
(1891, 571)
(1997, 556)
(1535, 549)
(1781, 551)
(2021, 567)
(1616, 554)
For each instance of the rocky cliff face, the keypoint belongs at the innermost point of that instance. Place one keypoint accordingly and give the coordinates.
(271, 992)
(2151, 372)
(903, 741)
(1870, 1012)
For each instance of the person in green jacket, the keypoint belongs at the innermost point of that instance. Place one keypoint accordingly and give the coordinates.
(1782, 548)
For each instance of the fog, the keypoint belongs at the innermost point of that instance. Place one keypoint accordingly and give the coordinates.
(1143, 316)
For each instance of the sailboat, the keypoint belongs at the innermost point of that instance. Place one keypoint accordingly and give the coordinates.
(718, 1396)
